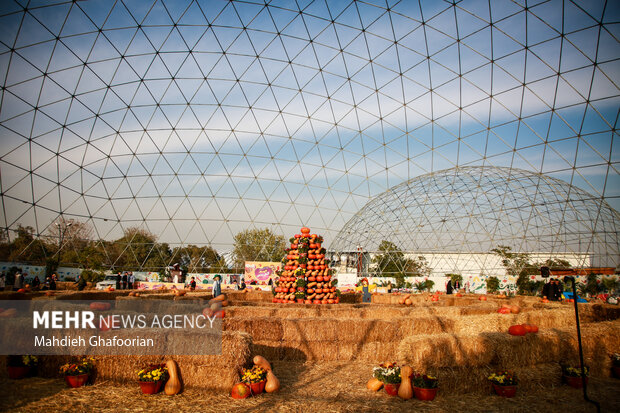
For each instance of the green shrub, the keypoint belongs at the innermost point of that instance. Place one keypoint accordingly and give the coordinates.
(492, 284)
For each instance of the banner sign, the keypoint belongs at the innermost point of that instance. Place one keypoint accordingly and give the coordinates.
(260, 271)
(143, 285)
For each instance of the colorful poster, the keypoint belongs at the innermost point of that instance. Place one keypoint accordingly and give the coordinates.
(260, 272)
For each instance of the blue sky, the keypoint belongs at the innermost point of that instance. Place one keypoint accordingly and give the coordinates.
(118, 110)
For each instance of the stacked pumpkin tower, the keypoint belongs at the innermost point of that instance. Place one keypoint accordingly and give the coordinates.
(306, 276)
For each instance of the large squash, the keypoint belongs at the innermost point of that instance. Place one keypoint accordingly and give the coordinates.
(273, 384)
(262, 362)
(374, 384)
(174, 384)
(405, 391)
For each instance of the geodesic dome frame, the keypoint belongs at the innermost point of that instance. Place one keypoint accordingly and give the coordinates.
(195, 120)
(472, 210)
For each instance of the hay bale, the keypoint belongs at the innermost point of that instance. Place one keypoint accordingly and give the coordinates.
(260, 328)
(213, 372)
(505, 351)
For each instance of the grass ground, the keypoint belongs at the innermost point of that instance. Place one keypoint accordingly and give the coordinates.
(308, 387)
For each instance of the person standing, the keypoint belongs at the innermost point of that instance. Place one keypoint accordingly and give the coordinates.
(365, 291)
(81, 283)
(242, 285)
(118, 280)
(217, 285)
(175, 278)
(449, 287)
(2, 281)
(124, 281)
(131, 280)
(36, 283)
(192, 284)
(53, 280)
(19, 282)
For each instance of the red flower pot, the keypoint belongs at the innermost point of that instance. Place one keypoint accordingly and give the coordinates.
(258, 388)
(18, 372)
(76, 381)
(300, 300)
(150, 387)
(425, 394)
(505, 391)
(574, 382)
(391, 388)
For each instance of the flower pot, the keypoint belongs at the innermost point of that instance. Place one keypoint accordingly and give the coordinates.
(505, 391)
(425, 394)
(150, 387)
(258, 388)
(391, 388)
(76, 381)
(300, 301)
(574, 382)
(18, 372)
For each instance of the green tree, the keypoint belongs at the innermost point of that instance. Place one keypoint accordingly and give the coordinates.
(257, 245)
(27, 248)
(138, 249)
(492, 284)
(392, 262)
(517, 264)
(455, 277)
(197, 259)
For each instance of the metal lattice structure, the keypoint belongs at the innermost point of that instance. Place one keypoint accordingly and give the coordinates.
(471, 210)
(197, 119)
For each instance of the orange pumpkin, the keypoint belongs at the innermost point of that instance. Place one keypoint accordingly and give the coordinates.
(240, 391)
(305, 231)
(517, 330)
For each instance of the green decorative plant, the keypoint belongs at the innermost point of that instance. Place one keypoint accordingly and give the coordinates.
(387, 373)
(425, 381)
(492, 285)
(574, 371)
(155, 372)
(22, 361)
(84, 366)
(254, 375)
(504, 378)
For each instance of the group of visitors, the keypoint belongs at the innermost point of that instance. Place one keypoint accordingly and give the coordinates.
(553, 290)
(18, 281)
(125, 280)
(452, 286)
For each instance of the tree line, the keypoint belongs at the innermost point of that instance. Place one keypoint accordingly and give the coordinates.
(72, 245)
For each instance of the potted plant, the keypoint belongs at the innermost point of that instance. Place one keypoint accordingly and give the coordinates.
(21, 366)
(425, 387)
(256, 377)
(152, 378)
(571, 375)
(389, 375)
(615, 364)
(77, 374)
(300, 296)
(504, 383)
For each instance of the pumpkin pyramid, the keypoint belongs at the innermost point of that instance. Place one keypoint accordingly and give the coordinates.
(306, 276)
